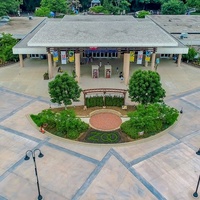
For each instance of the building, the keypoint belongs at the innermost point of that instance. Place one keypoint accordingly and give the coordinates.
(105, 36)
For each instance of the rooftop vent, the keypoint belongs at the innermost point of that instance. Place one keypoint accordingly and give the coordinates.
(183, 35)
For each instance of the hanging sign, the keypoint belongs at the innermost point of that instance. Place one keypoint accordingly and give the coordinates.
(63, 57)
(55, 56)
(139, 57)
(71, 56)
(132, 56)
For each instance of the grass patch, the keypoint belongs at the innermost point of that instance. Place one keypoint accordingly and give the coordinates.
(103, 137)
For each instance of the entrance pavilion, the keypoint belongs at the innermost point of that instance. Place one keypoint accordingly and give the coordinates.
(84, 37)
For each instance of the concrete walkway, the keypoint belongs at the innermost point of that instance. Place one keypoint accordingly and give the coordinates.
(161, 167)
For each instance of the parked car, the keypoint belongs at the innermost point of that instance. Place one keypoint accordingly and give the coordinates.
(5, 19)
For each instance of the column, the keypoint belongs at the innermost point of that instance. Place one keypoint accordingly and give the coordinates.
(50, 65)
(146, 63)
(179, 60)
(119, 54)
(55, 64)
(126, 67)
(28, 56)
(21, 61)
(77, 66)
(153, 59)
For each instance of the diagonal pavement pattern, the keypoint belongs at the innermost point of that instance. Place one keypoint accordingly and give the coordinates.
(161, 167)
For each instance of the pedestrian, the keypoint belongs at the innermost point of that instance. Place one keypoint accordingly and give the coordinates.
(122, 78)
(100, 64)
(117, 69)
(120, 74)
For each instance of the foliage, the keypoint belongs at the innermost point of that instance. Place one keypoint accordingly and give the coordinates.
(94, 101)
(64, 89)
(57, 6)
(102, 137)
(109, 101)
(173, 7)
(99, 9)
(116, 7)
(9, 7)
(151, 119)
(7, 42)
(30, 5)
(145, 87)
(64, 124)
(191, 54)
(114, 101)
(193, 4)
(143, 13)
(42, 12)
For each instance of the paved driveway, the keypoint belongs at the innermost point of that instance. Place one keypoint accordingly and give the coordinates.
(164, 166)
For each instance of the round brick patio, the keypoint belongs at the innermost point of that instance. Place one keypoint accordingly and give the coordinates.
(105, 121)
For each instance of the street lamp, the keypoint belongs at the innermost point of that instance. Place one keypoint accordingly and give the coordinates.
(32, 153)
(195, 193)
(198, 152)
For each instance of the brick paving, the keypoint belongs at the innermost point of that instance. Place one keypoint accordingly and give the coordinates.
(164, 166)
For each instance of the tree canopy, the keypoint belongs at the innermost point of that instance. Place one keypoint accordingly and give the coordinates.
(64, 89)
(191, 54)
(59, 6)
(173, 7)
(145, 87)
(9, 7)
(7, 42)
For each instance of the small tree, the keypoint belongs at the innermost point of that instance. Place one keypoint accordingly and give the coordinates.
(7, 42)
(64, 89)
(145, 87)
(42, 12)
(191, 54)
(173, 7)
(57, 6)
(143, 13)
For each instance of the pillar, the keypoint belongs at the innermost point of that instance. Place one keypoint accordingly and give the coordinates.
(146, 63)
(126, 67)
(119, 54)
(77, 66)
(28, 56)
(21, 61)
(55, 64)
(153, 59)
(179, 60)
(50, 70)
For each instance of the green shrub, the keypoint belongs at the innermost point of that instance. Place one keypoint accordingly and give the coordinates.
(114, 101)
(94, 101)
(73, 134)
(64, 124)
(151, 119)
(36, 119)
(143, 13)
(42, 12)
(98, 9)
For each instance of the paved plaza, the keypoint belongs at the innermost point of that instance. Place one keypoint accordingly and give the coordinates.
(160, 167)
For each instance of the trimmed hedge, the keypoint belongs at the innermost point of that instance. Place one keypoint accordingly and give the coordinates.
(107, 101)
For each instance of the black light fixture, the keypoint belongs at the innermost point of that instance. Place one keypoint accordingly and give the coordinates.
(198, 152)
(40, 155)
(181, 111)
(195, 194)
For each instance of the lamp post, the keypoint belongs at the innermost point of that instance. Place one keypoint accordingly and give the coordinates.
(195, 193)
(32, 153)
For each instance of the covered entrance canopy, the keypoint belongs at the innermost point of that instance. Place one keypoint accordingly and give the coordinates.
(100, 35)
